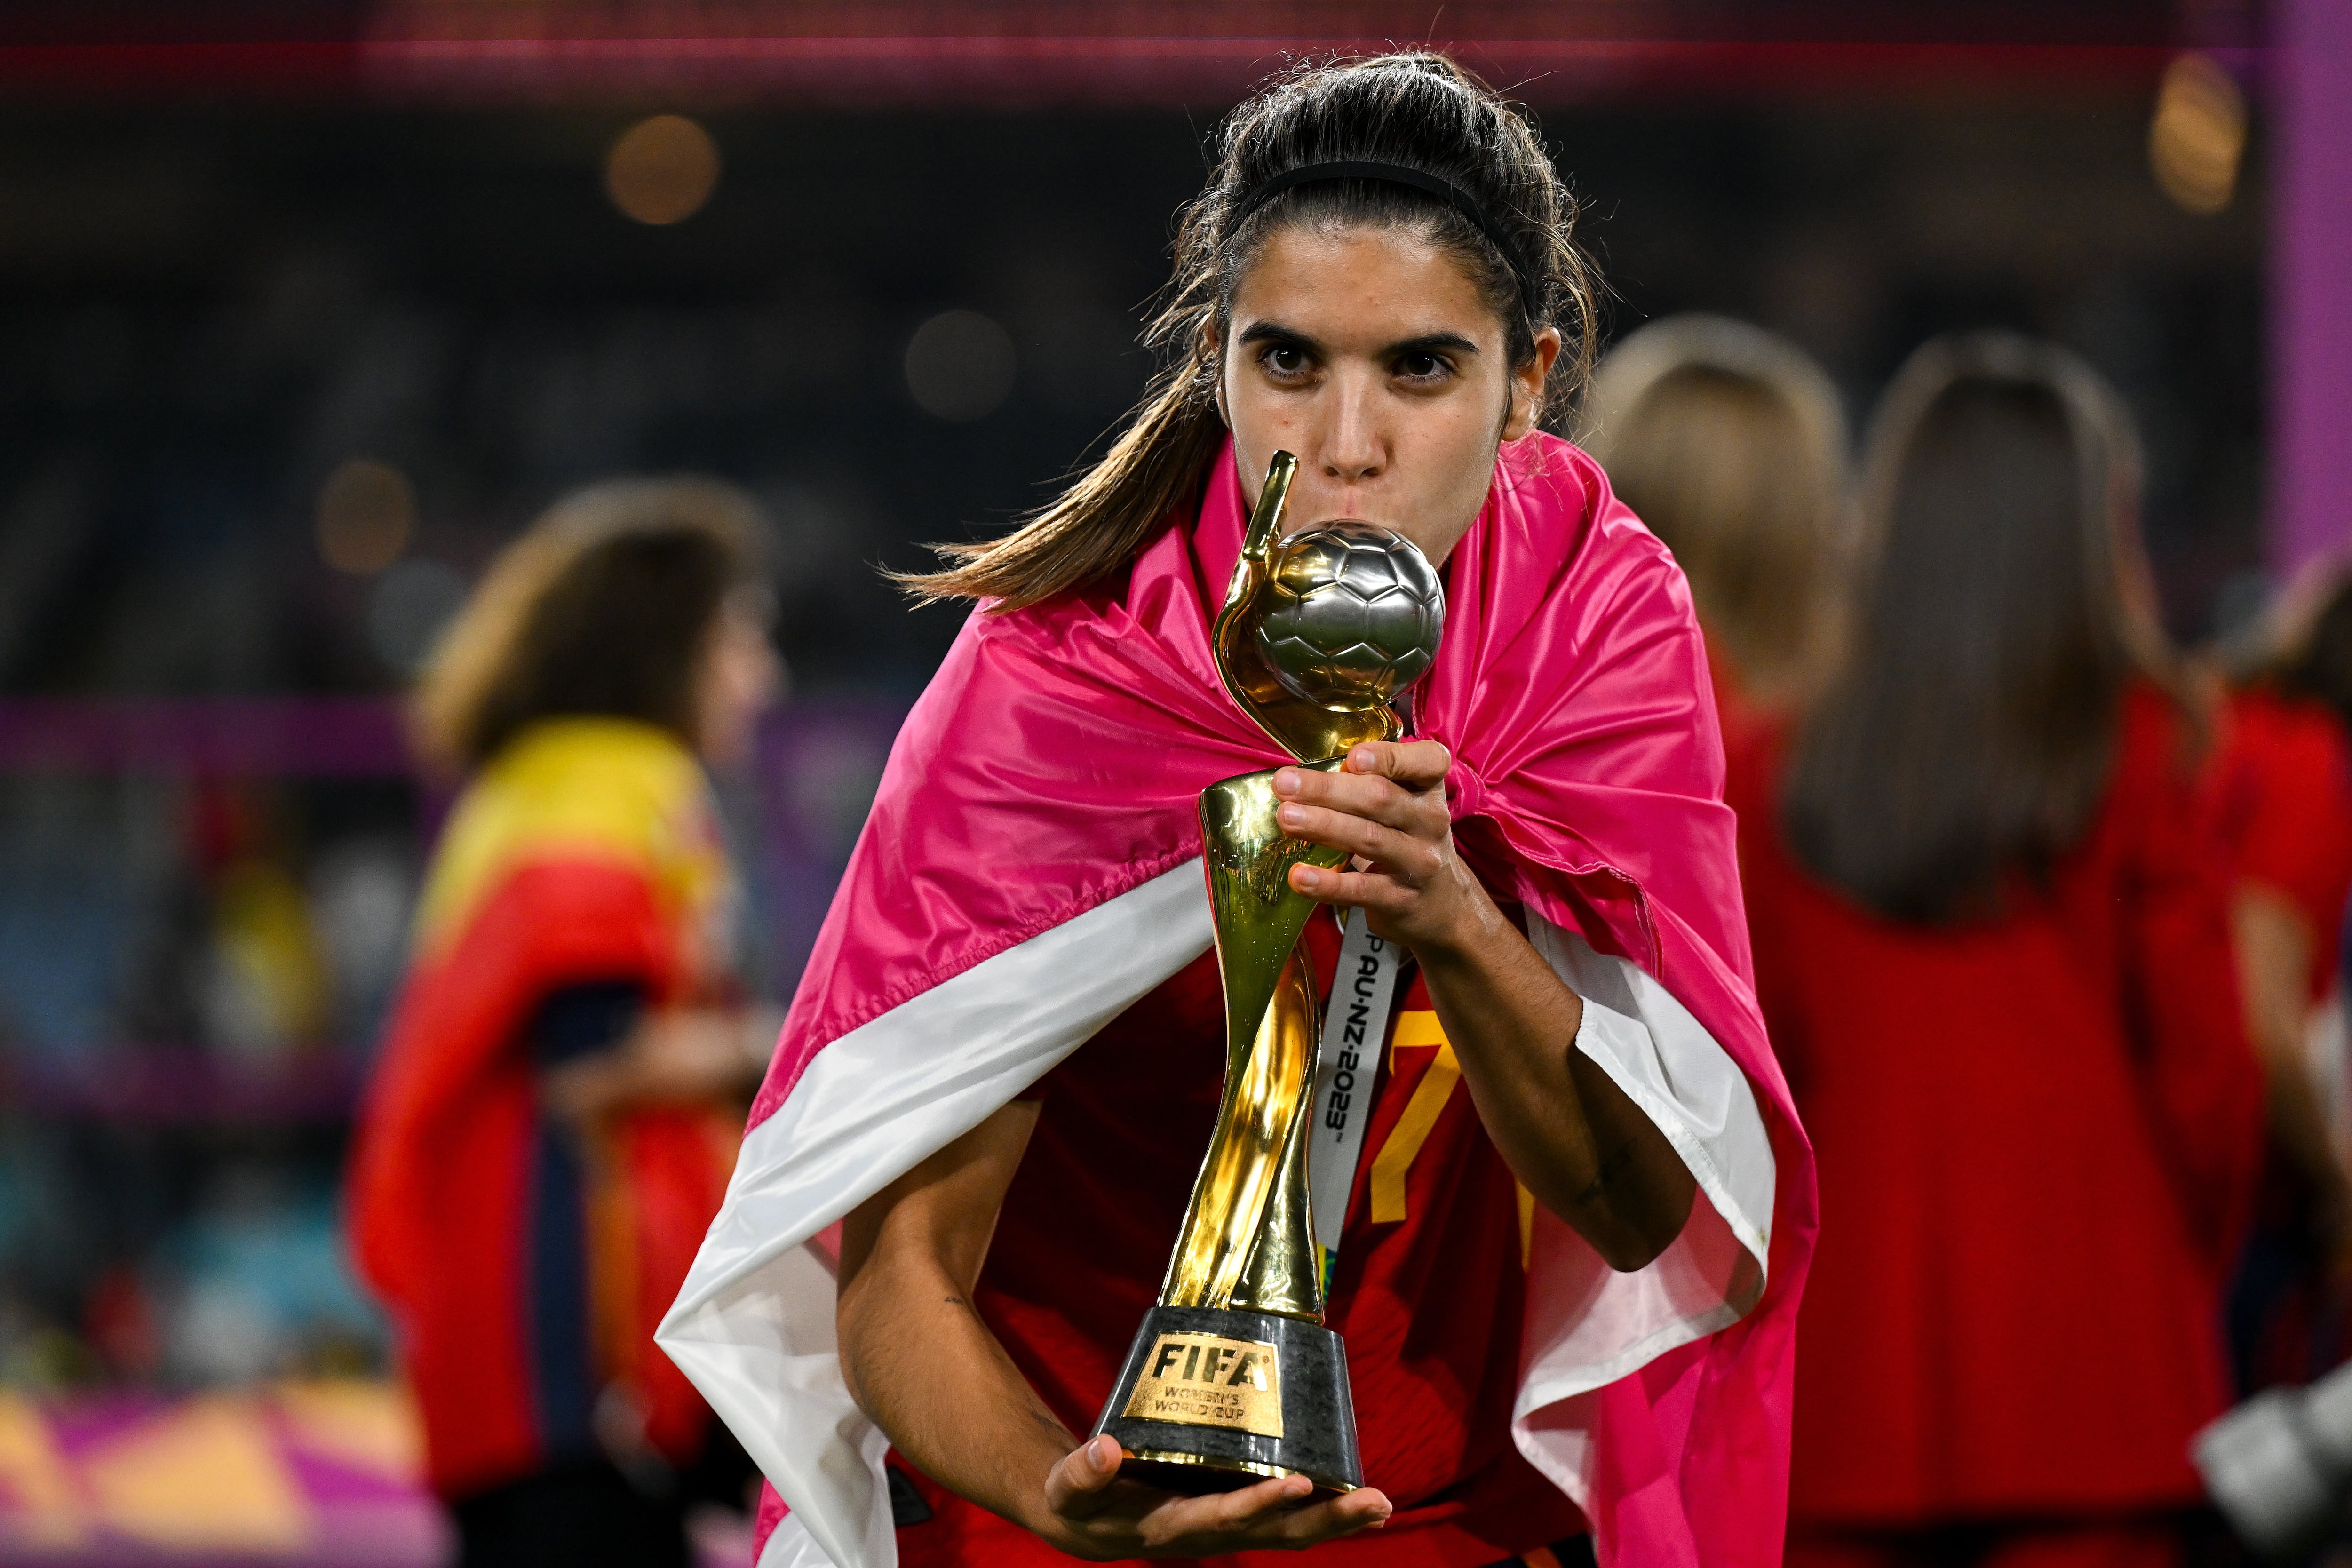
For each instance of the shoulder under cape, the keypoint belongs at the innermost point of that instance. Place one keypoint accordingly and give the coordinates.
(1029, 870)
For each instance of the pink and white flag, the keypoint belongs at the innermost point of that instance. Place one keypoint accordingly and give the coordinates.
(1031, 869)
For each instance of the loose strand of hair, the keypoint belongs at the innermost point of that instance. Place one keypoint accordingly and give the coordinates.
(1102, 520)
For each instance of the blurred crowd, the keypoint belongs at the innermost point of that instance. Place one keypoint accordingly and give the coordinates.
(2046, 914)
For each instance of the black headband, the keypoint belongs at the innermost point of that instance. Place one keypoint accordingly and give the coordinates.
(1444, 190)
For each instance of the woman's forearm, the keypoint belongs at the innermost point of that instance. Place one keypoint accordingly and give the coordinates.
(2274, 951)
(917, 1355)
(1570, 1135)
(1585, 1151)
(921, 1363)
(672, 1057)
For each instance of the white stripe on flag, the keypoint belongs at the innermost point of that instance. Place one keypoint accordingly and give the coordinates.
(753, 1327)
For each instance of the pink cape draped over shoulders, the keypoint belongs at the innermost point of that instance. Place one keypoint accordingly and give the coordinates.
(1055, 761)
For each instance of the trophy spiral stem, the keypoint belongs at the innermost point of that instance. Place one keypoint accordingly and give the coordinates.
(1248, 1240)
(1247, 1237)
(1232, 1377)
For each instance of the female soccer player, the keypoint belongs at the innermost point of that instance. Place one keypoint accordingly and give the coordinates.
(1992, 937)
(1573, 1246)
(548, 1130)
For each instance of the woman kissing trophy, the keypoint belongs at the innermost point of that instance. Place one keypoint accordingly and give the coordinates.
(1233, 1377)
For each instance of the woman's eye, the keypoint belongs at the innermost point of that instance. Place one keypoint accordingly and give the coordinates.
(1284, 361)
(1422, 366)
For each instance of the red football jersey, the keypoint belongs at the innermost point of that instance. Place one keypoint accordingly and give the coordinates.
(2037, 1134)
(1427, 1291)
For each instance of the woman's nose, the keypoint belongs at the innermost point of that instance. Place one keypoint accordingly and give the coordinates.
(1353, 448)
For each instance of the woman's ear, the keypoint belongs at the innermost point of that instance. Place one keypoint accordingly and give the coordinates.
(1528, 386)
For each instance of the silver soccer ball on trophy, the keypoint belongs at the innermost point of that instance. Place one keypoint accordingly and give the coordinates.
(1354, 614)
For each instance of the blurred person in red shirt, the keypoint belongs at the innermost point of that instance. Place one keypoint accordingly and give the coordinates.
(1730, 443)
(2283, 770)
(561, 1096)
(1990, 908)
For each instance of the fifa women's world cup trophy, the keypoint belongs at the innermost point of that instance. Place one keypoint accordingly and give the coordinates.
(1233, 1377)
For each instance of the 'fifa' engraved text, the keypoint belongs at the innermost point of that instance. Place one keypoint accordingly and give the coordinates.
(1207, 1379)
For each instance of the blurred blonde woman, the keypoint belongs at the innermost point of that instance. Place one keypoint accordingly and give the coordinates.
(551, 1127)
(1731, 443)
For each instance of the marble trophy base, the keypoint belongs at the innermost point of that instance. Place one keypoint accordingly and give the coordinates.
(1214, 1398)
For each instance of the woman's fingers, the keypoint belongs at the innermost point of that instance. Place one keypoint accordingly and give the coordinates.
(1270, 1513)
(1415, 856)
(1340, 1515)
(1387, 811)
(1079, 1487)
(1374, 798)
(1288, 1523)
(1234, 1512)
(1358, 794)
(1415, 764)
(1375, 892)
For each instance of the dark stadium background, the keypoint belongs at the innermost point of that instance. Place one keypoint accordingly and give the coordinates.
(244, 248)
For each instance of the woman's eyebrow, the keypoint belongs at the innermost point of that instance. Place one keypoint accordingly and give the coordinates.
(1276, 332)
(1428, 342)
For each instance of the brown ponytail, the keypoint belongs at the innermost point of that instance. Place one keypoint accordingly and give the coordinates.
(1418, 110)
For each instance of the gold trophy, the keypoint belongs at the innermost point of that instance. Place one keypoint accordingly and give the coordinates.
(1232, 1378)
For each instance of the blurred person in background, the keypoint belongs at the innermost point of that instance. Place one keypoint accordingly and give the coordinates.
(1730, 443)
(1990, 907)
(2283, 768)
(558, 1105)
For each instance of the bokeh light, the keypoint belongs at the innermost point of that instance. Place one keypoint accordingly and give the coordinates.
(367, 512)
(2198, 137)
(960, 365)
(661, 170)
